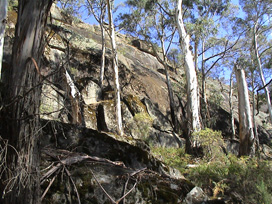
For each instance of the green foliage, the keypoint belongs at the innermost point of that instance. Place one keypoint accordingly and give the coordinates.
(72, 7)
(211, 142)
(264, 194)
(12, 4)
(174, 157)
(249, 178)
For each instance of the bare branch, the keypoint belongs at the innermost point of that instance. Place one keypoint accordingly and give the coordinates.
(70, 177)
(127, 192)
(111, 199)
(48, 187)
(162, 8)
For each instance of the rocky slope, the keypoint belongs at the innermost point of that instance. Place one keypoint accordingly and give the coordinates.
(88, 159)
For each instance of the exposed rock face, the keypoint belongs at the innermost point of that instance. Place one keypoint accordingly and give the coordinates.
(76, 48)
(155, 183)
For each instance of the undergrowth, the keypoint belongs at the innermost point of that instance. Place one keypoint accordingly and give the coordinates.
(247, 180)
(244, 180)
(173, 157)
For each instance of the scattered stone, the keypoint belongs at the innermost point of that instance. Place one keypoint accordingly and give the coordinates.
(196, 196)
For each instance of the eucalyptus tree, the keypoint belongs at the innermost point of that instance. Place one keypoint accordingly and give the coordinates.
(258, 14)
(153, 22)
(214, 42)
(20, 113)
(193, 114)
(3, 20)
(246, 134)
(98, 9)
(115, 68)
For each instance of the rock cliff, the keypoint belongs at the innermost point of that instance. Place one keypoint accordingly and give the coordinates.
(88, 160)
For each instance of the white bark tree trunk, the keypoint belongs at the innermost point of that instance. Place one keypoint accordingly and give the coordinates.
(115, 67)
(192, 84)
(103, 54)
(3, 16)
(267, 95)
(231, 106)
(74, 95)
(246, 134)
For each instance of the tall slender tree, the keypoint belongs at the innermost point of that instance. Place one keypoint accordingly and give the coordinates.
(20, 115)
(115, 68)
(257, 15)
(98, 9)
(192, 84)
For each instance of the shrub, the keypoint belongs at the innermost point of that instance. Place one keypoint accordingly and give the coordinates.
(211, 143)
(249, 178)
(174, 157)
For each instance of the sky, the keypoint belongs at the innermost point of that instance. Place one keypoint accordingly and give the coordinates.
(121, 9)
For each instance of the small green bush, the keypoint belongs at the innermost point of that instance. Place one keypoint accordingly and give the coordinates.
(174, 157)
(211, 142)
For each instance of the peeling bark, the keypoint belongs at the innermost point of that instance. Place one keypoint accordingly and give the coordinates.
(20, 122)
(192, 84)
(246, 134)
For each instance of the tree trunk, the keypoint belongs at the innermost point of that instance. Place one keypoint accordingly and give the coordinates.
(3, 16)
(254, 111)
(22, 99)
(171, 99)
(102, 68)
(246, 134)
(74, 96)
(231, 106)
(267, 95)
(169, 86)
(116, 75)
(196, 54)
(203, 83)
(192, 86)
